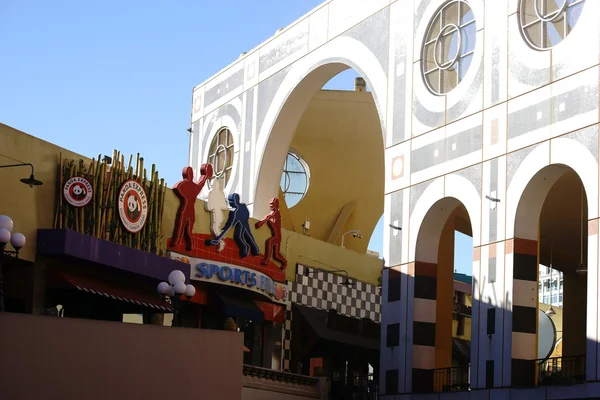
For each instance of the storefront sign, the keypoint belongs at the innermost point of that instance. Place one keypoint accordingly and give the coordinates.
(133, 206)
(78, 191)
(233, 275)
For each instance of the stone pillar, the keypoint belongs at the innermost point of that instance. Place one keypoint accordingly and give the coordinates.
(524, 312)
(591, 353)
(444, 305)
(489, 301)
(424, 318)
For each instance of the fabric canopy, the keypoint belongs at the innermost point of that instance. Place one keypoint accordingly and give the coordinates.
(317, 319)
(239, 308)
(114, 290)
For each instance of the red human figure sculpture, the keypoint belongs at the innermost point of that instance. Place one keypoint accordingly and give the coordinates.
(273, 244)
(187, 191)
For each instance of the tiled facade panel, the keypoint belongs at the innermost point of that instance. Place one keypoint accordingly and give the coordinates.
(515, 111)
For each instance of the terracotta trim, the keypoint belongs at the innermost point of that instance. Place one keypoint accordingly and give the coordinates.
(493, 250)
(425, 269)
(476, 254)
(593, 227)
(526, 246)
(509, 246)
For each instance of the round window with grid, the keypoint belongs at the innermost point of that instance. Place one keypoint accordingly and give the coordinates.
(220, 154)
(546, 23)
(294, 180)
(449, 46)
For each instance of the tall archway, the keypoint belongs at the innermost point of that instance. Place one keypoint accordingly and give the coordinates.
(437, 316)
(550, 234)
(302, 81)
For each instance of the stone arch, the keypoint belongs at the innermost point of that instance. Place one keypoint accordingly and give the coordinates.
(526, 206)
(449, 186)
(433, 291)
(304, 78)
(526, 195)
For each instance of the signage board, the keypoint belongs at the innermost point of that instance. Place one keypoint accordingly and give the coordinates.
(234, 275)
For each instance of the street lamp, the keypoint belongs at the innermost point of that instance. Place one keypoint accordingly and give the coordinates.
(17, 241)
(173, 290)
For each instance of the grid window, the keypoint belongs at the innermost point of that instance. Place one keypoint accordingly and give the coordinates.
(546, 23)
(220, 154)
(449, 46)
(295, 179)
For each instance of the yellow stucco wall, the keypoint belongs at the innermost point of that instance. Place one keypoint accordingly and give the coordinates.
(339, 137)
(33, 208)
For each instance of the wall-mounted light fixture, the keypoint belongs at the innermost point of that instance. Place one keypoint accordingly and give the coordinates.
(347, 282)
(31, 181)
(355, 233)
(396, 228)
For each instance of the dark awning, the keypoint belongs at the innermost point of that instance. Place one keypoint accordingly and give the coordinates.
(317, 319)
(234, 307)
(115, 291)
(461, 349)
(77, 246)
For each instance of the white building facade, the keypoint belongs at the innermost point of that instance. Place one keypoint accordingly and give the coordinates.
(478, 101)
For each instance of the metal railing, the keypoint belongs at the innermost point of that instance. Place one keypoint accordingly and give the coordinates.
(453, 379)
(354, 388)
(279, 376)
(561, 371)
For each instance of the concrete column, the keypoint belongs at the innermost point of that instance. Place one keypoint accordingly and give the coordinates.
(591, 352)
(524, 312)
(424, 319)
(444, 297)
(489, 294)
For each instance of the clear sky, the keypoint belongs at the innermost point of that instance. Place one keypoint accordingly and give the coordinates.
(92, 76)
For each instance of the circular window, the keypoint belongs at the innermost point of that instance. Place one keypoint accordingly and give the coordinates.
(220, 154)
(449, 46)
(545, 23)
(294, 180)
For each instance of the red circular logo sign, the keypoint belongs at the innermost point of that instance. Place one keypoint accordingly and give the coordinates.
(78, 191)
(133, 206)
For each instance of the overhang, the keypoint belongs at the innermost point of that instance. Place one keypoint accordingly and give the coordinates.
(74, 245)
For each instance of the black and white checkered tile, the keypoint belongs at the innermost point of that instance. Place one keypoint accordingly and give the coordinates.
(325, 290)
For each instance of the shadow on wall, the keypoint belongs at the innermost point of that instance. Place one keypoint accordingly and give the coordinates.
(112, 360)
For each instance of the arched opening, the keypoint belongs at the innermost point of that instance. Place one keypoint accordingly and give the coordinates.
(327, 129)
(442, 302)
(549, 299)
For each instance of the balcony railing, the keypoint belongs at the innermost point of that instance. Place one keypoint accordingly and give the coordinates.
(354, 387)
(279, 376)
(453, 379)
(561, 371)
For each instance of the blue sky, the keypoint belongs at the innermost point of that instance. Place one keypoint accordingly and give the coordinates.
(93, 76)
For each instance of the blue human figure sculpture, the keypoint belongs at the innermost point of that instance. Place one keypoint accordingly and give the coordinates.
(238, 220)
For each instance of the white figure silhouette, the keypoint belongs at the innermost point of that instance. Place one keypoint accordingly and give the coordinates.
(215, 204)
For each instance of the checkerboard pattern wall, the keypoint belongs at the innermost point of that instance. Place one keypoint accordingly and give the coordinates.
(324, 290)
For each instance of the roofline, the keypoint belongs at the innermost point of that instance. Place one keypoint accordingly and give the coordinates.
(296, 22)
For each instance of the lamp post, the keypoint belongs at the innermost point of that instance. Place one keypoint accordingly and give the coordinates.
(173, 290)
(17, 241)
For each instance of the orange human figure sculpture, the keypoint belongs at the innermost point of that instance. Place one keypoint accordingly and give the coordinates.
(187, 191)
(273, 244)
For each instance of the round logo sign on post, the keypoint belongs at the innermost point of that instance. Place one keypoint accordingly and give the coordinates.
(133, 206)
(78, 191)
